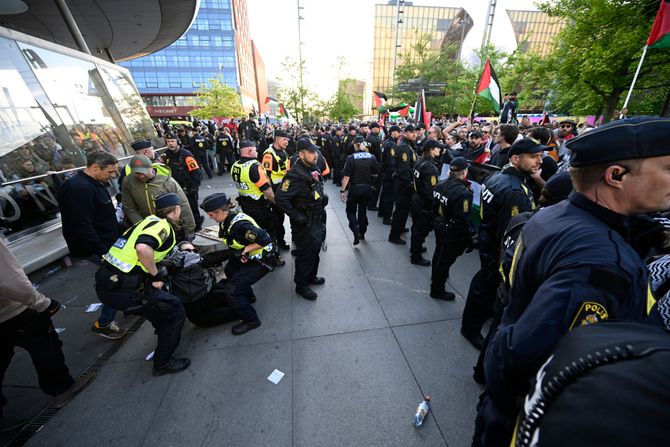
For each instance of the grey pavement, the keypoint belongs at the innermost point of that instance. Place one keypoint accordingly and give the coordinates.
(357, 361)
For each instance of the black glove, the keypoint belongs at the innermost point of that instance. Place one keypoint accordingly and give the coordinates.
(325, 200)
(54, 307)
(161, 274)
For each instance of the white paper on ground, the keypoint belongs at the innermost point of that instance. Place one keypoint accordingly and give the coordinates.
(276, 376)
(60, 329)
(149, 356)
(93, 307)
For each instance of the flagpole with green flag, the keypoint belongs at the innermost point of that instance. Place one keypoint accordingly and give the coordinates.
(659, 37)
(488, 87)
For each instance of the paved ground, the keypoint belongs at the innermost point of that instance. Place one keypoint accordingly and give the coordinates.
(357, 361)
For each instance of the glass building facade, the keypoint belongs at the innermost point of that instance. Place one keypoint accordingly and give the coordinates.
(216, 45)
(417, 21)
(534, 30)
(56, 106)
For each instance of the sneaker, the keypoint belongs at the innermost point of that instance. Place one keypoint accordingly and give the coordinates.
(112, 331)
(173, 366)
(66, 396)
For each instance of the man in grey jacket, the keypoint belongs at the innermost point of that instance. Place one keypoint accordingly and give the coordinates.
(25, 321)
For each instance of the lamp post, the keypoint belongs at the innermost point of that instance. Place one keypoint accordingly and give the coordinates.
(398, 22)
(302, 96)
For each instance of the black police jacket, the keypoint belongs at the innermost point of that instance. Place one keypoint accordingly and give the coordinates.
(361, 167)
(504, 195)
(452, 201)
(301, 195)
(185, 169)
(388, 157)
(404, 162)
(375, 146)
(425, 178)
(573, 265)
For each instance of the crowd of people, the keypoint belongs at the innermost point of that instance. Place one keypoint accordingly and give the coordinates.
(565, 219)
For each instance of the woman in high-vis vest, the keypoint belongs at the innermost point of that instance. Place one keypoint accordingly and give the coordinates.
(241, 233)
(130, 280)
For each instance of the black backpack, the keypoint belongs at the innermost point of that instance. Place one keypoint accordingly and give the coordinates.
(191, 283)
(603, 386)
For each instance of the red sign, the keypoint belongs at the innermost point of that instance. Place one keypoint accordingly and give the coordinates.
(169, 110)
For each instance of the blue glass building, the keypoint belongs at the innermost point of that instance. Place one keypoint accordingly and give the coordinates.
(168, 78)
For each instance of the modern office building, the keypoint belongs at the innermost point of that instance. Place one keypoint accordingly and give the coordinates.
(61, 97)
(357, 92)
(534, 30)
(217, 45)
(445, 26)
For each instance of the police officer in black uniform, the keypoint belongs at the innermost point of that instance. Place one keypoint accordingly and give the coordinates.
(337, 156)
(453, 226)
(586, 271)
(199, 147)
(375, 148)
(241, 233)
(402, 184)
(386, 197)
(302, 198)
(187, 172)
(225, 150)
(360, 170)
(425, 180)
(504, 195)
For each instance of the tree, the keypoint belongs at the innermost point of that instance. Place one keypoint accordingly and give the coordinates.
(217, 99)
(341, 108)
(596, 56)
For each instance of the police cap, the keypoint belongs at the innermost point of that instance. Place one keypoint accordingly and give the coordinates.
(631, 138)
(280, 133)
(214, 202)
(247, 143)
(359, 139)
(374, 126)
(166, 199)
(138, 145)
(305, 144)
(527, 146)
(430, 144)
(170, 136)
(394, 128)
(352, 127)
(410, 128)
(421, 126)
(458, 164)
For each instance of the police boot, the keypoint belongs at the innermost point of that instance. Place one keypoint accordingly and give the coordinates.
(306, 293)
(420, 260)
(442, 295)
(245, 327)
(173, 366)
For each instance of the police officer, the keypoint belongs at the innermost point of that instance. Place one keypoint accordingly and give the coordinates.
(187, 172)
(129, 280)
(360, 170)
(375, 148)
(254, 189)
(452, 201)
(240, 232)
(224, 149)
(386, 197)
(302, 197)
(199, 146)
(337, 156)
(402, 184)
(504, 195)
(275, 163)
(424, 181)
(585, 274)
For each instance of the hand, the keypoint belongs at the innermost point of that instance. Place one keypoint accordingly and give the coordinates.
(343, 196)
(537, 173)
(160, 275)
(157, 284)
(54, 307)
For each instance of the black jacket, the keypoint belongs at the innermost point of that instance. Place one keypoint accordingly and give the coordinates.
(88, 216)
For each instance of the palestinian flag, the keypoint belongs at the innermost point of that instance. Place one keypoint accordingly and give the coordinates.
(403, 112)
(489, 87)
(284, 112)
(660, 31)
(270, 99)
(380, 98)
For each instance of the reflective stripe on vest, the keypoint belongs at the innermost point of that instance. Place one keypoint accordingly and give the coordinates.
(245, 187)
(123, 255)
(232, 243)
(278, 175)
(159, 167)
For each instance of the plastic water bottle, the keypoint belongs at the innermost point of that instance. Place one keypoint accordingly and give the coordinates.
(421, 412)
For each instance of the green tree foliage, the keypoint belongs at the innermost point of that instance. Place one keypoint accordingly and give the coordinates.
(596, 55)
(341, 108)
(301, 102)
(217, 99)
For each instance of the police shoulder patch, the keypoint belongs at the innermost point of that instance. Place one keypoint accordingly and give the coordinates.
(285, 185)
(267, 165)
(589, 313)
(515, 210)
(433, 180)
(404, 156)
(392, 152)
(163, 234)
(250, 236)
(466, 206)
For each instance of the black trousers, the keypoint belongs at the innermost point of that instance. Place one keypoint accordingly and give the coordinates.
(357, 204)
(337, 170)
(403, 194)
(447, 249)
(260, 211)
(386, 198)
(163, 310)
(422, 224)
(278, 220)
(192, 197)
(241, 276)
(308, 239)
(226, 160)
(376, 191)
(482, 293)
(201, 156)
(35, 333)
(210, 310)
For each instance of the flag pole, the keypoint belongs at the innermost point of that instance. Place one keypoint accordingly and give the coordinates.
(632, 85)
